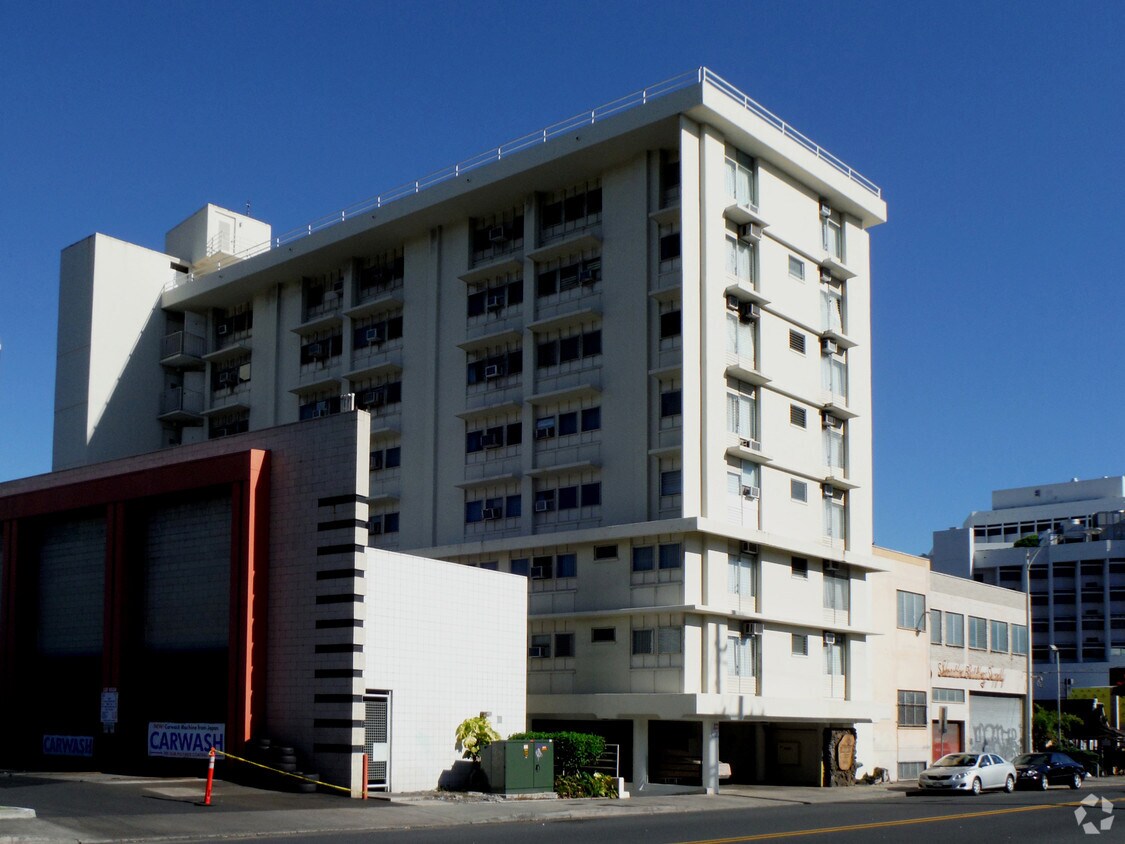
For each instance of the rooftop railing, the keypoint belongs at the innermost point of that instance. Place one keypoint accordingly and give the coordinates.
(699, 76)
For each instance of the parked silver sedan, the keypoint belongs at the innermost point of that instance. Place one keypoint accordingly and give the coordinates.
(972, 772)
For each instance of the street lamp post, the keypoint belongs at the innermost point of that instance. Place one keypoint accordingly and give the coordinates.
(1058, 698)
(1027, 702)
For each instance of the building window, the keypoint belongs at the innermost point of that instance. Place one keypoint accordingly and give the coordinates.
(671, 555)
(909, 771)
(798, 416)
(799, 567)
(671, 403)
(493, 366)
(564, 644)
(798, 491)
(742, 577)
(835, 521)
(1019, 639)
(911, 611)
(836, 591)
(832, 236)
(955, 629)
(520, 566)
(605, 552)
(570, 210)
(644, 558)
(799, 644)
(493, 509)
(834, 655)
(574, 347)
(911, 709)
(671, 482)
(566, 275)
(797, 341)
(949, 695)
(379, 274)
(670, 324)
(670, 247)
(669, 640)
(494, 436)
(374, 398)
(382, 523)
(494, 296)
(740, 255)
(540, 646)
(796, 268)
(603, 634)
(742, 656)
(497, 235)
(999, 636)
(390, 458)
(643, 642)
(372, 333)
(742, 411)
(321, 347)
(935, 627)
(978, 633)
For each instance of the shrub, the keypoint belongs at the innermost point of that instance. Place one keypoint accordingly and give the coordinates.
(573, 751)
(583, 784)
(474, 735)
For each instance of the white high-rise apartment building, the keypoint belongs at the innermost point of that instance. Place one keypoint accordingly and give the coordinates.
(628, 356)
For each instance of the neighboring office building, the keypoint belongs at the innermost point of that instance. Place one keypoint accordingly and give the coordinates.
(224, 589)
(1077, 576)
(950, 644)
(631, 363)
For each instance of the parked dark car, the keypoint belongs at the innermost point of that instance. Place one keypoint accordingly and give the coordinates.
(1040, 770)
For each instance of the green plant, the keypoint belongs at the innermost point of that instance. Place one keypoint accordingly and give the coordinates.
(474, 735)
(573, 751)
(583, 784)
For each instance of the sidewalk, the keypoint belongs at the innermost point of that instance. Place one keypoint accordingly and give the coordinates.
(101, 807)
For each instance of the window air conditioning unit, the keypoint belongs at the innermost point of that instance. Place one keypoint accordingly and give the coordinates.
(375, 528)
(829, 491)
(542, 507)
(338, 286)
(226, 378)
(748, 547)
(320, 410)
(367, 397)
(315, 350)
(751, 628)
(829, 346)
(734, 303)
(496, 235)
(372, 335)
(751, 492)
(495, 301)
(375, 462)
(492, 371)
(544, 433)
(585, 276)
(831, 565)
(537, 651)
(748, 311)
(825, 208)
(347, 402)
(829, 638)
(378, 398)
(825, 275)
(492, 513)
(222, 329)
(833, 422)
(750, 232)
(538, 572)
(492, 441)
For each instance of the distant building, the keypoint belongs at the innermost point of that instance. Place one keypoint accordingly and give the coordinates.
(1077, 575)
(951, 646)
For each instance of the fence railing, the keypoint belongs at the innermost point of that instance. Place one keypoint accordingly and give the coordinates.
(699, 76)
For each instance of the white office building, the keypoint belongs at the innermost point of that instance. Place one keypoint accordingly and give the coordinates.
(628, 357)
(1077, 574)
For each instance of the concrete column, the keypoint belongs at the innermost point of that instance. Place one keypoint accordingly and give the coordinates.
(759, 752)
(710, 755)
(640, 753)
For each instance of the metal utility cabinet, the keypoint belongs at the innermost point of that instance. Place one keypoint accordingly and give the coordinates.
(519, 767)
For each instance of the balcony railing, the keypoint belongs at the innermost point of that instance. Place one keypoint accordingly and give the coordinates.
(181, 344)
(699, 76)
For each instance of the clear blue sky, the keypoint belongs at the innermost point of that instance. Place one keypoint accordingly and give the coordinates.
(995, 129)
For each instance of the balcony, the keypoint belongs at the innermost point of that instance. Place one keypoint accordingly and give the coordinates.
(182, 350)
(180, 406)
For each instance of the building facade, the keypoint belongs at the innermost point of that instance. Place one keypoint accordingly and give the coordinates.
(951, 669)
(224, 592)
(628, 359)
(1077, 572)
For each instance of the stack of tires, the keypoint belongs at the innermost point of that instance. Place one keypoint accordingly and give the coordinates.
(280, 760)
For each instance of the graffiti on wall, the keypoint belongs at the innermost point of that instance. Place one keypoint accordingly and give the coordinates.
(1001, 739)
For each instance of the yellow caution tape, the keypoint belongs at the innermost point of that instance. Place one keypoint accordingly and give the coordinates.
(283, 773)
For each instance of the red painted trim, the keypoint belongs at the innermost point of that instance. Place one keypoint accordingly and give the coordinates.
(259, 558)
(141, 483)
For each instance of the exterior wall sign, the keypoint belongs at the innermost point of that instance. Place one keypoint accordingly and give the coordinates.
(971, 672)
(184, 741)
(68, 746)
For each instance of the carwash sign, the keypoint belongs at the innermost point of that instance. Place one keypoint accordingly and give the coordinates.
(184, 741)
(68, 745)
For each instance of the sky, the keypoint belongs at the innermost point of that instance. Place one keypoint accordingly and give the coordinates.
(994, 129)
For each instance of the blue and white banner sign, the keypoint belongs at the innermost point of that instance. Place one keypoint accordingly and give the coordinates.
(184, 741)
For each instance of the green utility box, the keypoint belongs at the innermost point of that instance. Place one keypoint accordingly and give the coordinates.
(519, 767)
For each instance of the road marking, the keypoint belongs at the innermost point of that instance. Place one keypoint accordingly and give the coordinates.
(824, 830)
